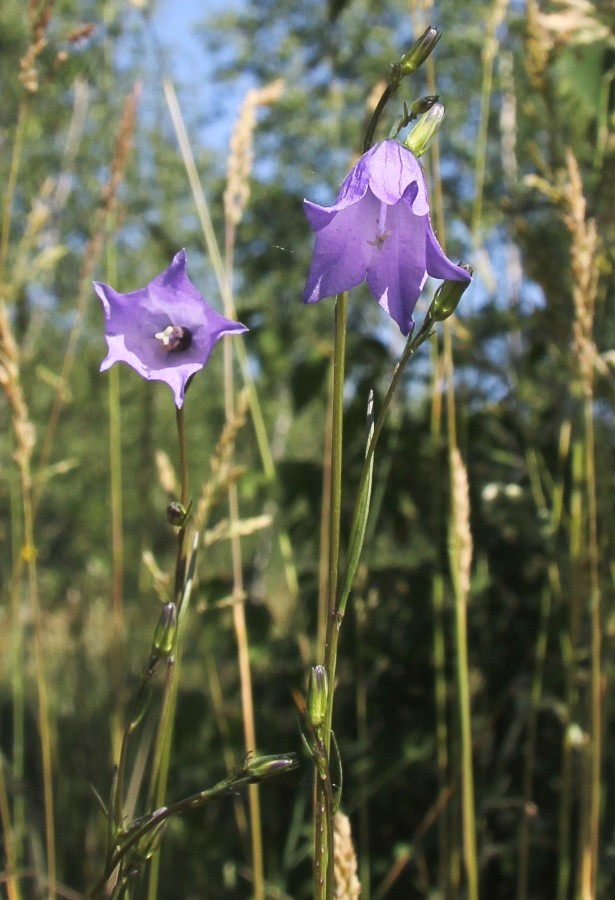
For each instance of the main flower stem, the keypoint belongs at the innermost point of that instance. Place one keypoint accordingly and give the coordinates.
(183, 459)
(323, 812)
(164, 738)
(373, 123)
(323, 809)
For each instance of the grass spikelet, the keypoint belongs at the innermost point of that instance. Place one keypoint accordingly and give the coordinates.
(347, 885)
(584, 247)
(461, 533)
(9, 380)
(573, 22)
(225, 531)
(39, 21)
(241, 159)
(537, 46)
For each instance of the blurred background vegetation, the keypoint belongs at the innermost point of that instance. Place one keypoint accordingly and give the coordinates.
(94, 185)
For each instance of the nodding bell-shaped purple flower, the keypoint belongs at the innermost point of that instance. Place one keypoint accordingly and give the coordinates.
(378, 230)
(166, 331)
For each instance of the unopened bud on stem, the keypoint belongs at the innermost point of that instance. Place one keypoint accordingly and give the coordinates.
(425, 130)
(176, 513)
(447, 297)
(318, 689)
(423, 105)
(420, 50)
(164, 636)
(260, 767)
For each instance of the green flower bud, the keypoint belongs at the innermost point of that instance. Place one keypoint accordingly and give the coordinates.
(423, 105)
(425, 130)
(164, 635)
(261, 767)
(447, 297)
(176, 513)
(318, 689)
(420, 50)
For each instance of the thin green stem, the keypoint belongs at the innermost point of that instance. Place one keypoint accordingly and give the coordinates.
(183, 457)
(41, 684)
(335, 507)
(239, 612)
(363, 741)
(594, 762)
(489, 52)
(373, 122)
(247, 703)
(117, 533)
(570, 651)
(156, 818)
(461, 644)
(325, 521)
(17, 668)
(15, 839)
(336, 607)
(439, 643)
(12, 884)
(413, 343)
(323, 812)
(161, 757)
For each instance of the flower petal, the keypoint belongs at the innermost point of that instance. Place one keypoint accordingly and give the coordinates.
(396, 273)
(438, 263)
(342, 251)
(392, 171)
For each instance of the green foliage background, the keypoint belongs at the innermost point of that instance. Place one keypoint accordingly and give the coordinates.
(520, 410)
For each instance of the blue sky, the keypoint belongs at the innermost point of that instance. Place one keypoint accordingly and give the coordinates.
(176, 23)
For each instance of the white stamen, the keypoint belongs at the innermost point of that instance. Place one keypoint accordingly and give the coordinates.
(174, 337)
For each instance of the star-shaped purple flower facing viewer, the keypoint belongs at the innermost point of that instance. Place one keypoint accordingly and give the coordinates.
(378, 229)
(166, 331)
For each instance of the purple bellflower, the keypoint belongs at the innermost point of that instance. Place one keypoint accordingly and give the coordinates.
(166, 331)
(378, 229)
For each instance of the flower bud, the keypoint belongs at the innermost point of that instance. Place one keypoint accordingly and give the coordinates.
(420, 50)
(425, 130)
(447, 297)
(261, 767)
(164, 635)
(176, 513)
(318, 689)
(423, 105)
